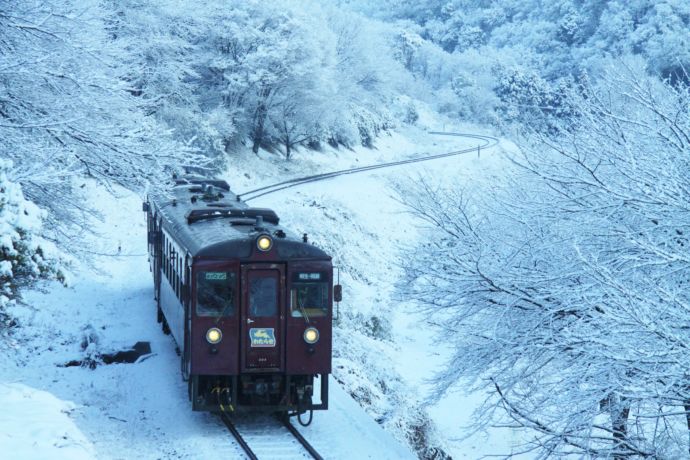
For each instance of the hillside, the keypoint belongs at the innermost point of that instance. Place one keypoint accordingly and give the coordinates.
(126, 407)
(529, 300)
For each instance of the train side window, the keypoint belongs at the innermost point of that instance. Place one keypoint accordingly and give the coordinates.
(176, 278)
(215, 293)
(263, 297)
(179, 278)
(165, 256)
(309, 294)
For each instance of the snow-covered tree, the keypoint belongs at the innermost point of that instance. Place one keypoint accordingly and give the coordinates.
(368, 78)
(528, 99)
(22, 259)
(271, 74)
(565, 288)
(490, 43)
(67, 110)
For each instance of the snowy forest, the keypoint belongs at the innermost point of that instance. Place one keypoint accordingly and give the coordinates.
(560, 282)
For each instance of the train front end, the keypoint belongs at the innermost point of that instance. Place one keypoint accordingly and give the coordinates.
(260, 332)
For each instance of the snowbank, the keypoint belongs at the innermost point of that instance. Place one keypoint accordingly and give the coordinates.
(35, 424)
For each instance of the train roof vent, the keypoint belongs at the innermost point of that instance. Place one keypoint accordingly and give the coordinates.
(220, 205)
(268, 215)
(197, 180)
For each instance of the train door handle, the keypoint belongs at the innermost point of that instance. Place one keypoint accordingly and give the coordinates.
(250, 321)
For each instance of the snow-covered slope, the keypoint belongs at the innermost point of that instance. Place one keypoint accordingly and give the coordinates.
(383, 353)
(125, 411)
(35, 424)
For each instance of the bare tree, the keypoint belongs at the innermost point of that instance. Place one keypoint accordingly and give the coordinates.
(288, 131)
(67, 111)
(566, 287)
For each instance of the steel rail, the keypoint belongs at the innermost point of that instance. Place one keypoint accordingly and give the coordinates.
(285, 421)
(489, 141)
(291, 428)
(238, 437)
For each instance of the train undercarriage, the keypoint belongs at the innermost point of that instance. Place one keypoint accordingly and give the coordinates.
(268, 392)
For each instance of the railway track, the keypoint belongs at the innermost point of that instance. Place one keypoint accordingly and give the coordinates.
(269, 437)
(486, 142)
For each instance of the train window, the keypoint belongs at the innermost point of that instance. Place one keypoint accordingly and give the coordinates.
(215, 293)
(263, 296)
(309, 294)
(177, 277)
(167, 259)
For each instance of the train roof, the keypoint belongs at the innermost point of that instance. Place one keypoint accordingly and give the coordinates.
(210, 221)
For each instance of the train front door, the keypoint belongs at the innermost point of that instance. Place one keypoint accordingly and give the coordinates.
(263, 317)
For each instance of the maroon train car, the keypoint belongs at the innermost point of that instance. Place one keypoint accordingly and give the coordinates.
(249, 304)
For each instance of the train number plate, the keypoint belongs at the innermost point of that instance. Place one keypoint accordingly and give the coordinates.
(262, 337)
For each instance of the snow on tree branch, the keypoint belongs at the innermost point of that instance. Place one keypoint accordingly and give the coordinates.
(567, 287)
(22, 258)
(65, 111)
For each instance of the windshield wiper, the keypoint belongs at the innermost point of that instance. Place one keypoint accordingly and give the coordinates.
(222, 313)
(304, 312)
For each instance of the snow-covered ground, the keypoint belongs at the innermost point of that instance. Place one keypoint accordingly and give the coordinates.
(126, 411)
(141, 410)
(35, 424)
(360, 220)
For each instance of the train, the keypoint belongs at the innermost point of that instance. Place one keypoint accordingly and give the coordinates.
(248, 303)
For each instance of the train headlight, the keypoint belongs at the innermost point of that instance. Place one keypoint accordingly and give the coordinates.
(214, 336)
(264, 243)
(311, 335)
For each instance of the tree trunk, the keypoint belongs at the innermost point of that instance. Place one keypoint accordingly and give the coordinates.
(619, 416)
(256, 145)
(258, 133)
(687, 418)
(286, 133)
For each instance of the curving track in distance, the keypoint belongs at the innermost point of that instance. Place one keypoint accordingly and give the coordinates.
(487, 142)
(266, 436)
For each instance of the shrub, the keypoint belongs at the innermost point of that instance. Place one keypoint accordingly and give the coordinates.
(22, 258)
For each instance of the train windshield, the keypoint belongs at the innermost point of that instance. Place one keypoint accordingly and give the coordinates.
(215, 293)
(309, 294)
(263, 296)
